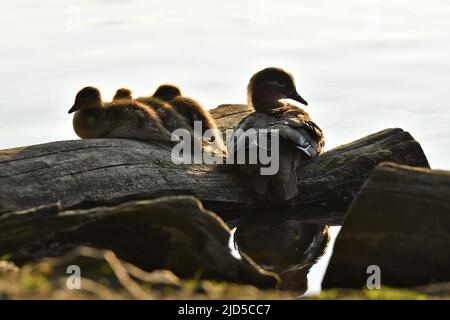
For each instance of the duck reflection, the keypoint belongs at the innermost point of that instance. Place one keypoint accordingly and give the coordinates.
(288, 247)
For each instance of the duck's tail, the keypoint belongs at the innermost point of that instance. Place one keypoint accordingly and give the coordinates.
(284, 183)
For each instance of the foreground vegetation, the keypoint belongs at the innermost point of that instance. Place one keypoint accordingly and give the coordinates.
(114, 279)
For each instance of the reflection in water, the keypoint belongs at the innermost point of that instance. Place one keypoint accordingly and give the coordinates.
(232, 245)
(286, 246)
(317, 272)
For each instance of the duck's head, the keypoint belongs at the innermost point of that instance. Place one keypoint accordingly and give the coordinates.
(87, 98)
(270, 85)
(167, 92)
(122, 93)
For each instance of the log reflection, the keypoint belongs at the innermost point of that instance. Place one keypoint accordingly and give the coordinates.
(289, 247)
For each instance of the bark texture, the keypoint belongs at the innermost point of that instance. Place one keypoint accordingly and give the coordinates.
(399, 222)
(151, 234)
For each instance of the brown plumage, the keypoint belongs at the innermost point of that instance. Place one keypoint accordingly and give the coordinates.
(123, 93)
(118, 119)
(300, 137)
(167, 92)
(192, 111)
(171, 119)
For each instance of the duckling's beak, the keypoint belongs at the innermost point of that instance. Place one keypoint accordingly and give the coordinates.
(74, 108)
(295, 96)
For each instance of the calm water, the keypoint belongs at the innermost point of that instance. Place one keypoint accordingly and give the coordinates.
(363, 65)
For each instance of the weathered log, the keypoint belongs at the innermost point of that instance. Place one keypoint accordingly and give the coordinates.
(88, 173)
(227, 116)
(155, 234)
(400, 222)
(173, 233)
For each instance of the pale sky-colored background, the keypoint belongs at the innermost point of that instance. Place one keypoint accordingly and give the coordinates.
(362, 65)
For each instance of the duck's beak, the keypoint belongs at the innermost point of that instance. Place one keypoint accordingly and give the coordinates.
(74, 108)
(295, 96)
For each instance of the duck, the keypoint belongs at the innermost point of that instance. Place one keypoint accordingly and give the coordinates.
(123, 93)
(192, 111)
(300, 138)
(123, 118)
(172, 120)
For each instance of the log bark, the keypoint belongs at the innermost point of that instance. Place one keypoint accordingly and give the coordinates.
(151, 234)
(88, 173)
(399, 222)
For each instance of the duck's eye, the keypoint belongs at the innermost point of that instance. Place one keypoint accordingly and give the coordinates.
(281, 83)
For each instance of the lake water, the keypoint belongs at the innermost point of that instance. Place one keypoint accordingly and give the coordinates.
(362, 65)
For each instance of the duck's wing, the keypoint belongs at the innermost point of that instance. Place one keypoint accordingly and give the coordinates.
(242, 143)
(300, 138)
(192, 111)
(242, 137)
(132, 120)
(303, 133)
(296, 132)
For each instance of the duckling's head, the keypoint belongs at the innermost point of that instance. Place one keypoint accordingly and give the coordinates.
(123, 93)
(167, 92)
(87, 98)
(268, 86)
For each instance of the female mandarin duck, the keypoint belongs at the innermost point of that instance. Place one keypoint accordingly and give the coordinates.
(118, 119)
(300, 137)
(192, 111)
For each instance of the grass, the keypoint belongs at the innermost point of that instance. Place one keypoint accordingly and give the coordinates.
(385, 293)
(44, 280)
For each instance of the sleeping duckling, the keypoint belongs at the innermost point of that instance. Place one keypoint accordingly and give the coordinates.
(300, 138)
(118, 119)
(171, 119)
(123, 93)
(192, 111)
(167, 92)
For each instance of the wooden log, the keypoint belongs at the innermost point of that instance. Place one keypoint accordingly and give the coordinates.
(227, 116)
(399, 222)
(151, 234)
(88, 173)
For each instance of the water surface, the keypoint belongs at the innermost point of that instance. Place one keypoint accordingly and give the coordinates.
(363, 65)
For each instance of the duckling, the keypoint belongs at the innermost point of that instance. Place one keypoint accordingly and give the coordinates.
(118, 119)
(171, 119)
(192, 111)
(123, 93)
(300, 137)
(167, 92)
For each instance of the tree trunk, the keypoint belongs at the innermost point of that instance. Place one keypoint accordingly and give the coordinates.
(87, 173)
(399, 222)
